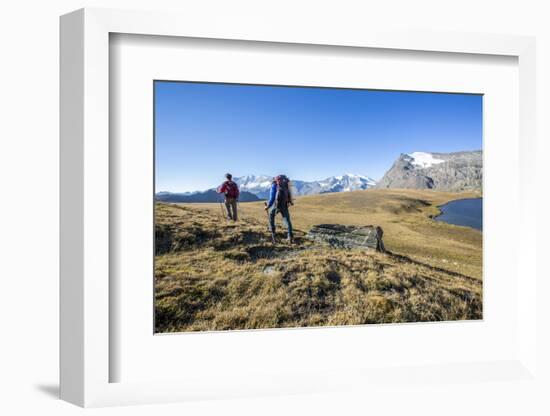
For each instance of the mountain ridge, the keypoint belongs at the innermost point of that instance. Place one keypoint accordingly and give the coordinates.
(210, 195)
(260, 184)
(456, 171)
(256, 187)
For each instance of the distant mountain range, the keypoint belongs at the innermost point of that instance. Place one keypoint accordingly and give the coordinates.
(256, 187)
(259, 185)
(209, 195)
(457, 171)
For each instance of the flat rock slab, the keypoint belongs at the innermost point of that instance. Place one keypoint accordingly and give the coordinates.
(348, 236)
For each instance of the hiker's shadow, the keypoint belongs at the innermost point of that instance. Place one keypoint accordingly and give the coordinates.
(279, 249)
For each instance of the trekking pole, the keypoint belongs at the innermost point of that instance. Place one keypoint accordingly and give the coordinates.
(240, 213)
(221, 207)
(267, 216)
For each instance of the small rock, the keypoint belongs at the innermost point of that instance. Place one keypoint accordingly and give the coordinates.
(269, 270)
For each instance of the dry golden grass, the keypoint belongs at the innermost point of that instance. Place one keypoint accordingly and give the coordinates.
(404, 215)
(211, 274)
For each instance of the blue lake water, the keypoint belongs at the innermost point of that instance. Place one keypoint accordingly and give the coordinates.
(467, 212)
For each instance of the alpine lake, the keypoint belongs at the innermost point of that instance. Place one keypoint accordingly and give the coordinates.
(466, 212)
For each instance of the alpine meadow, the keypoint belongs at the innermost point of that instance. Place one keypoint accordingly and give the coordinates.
(280, 207)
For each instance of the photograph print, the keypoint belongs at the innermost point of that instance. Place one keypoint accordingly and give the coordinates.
(289, 206)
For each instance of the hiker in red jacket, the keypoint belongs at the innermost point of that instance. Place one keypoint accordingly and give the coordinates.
(231, 192)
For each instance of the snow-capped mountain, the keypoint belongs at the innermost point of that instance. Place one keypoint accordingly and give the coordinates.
(347, 182)
(456, 171)
(423, 159)
(344, 183)
(260, 184)
(255, 184)
(255, 187)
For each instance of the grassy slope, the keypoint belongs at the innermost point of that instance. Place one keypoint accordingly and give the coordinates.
(404, 215)
(214, 275)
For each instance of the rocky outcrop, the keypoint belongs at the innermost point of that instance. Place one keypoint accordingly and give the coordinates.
(348, 236)
(458, 171)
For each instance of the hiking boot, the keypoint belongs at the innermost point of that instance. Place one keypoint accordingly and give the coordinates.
(290, 240)
(273, 240)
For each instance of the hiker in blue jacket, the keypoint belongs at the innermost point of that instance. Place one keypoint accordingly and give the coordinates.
(279, 200)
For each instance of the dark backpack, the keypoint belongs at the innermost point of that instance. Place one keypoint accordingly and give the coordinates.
(283, 197)
(231, 189)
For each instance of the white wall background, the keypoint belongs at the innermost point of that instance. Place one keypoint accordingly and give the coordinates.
(29, 180)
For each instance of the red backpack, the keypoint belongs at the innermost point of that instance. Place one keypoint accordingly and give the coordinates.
(231, 189)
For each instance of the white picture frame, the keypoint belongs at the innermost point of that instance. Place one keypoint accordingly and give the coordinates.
(86, 356)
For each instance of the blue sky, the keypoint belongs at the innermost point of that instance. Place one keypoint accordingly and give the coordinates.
(204, 130)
